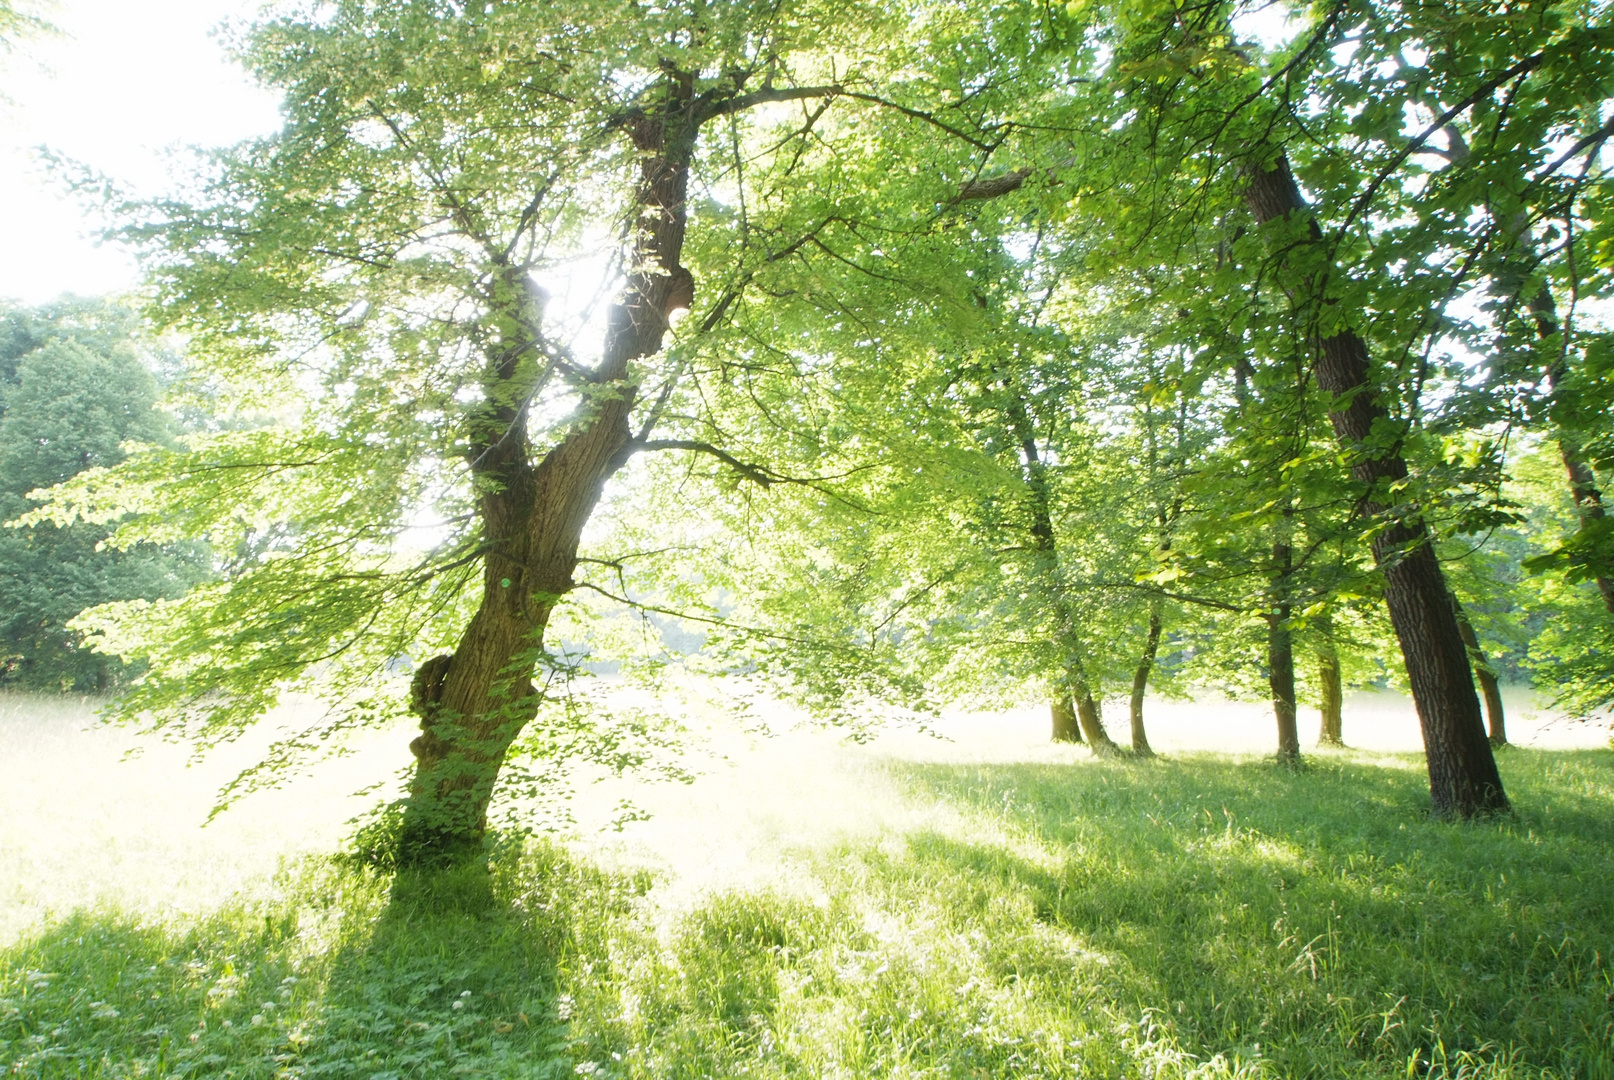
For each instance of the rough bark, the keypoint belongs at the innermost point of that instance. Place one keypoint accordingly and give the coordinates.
(1331, 697)
(1066, 727)
(1281, 657)
(1486, 675)
(474, 702)
(992, 187)
(1463, 778)
(1090, 715)
(1140, 682)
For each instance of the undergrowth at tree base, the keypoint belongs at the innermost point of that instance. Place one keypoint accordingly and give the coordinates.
(1194, 916)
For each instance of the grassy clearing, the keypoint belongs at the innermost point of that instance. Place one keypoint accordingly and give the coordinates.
(1196, 916)
(349, 975)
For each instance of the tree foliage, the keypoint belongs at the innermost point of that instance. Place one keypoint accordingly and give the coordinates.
(1026, 344)
(73, 394)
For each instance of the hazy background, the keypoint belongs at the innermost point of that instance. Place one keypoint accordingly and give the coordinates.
(86, 824)
(119, 85)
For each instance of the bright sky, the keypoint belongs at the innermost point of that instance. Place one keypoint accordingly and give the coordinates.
(122, 83)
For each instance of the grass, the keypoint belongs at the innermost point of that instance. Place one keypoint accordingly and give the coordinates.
(1193, 916)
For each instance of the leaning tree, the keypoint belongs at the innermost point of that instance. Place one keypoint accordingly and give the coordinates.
(382, 277)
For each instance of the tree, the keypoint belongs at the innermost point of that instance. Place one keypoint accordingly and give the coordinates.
(18, 22)
(72, 393)
(978, 531)
(1393, 254)
(373, 271)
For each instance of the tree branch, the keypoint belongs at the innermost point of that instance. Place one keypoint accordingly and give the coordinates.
(706, 109)
(1155, 590)
(757, 474)
(992, 187)
(1523, 67)
(920, 114)
(639, 605)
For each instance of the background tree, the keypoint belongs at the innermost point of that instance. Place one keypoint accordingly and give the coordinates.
(73, 391)
(1207, 101)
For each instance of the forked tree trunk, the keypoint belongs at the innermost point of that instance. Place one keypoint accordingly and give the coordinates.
(1075, 687)
(474, 702)
(1090, 714)
(1066, 727)
(1463, 778)
(1140, 682)
(1486, 676)
(1331, 692)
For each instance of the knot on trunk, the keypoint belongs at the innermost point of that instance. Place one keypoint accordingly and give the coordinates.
(680, 292)
(426, 688)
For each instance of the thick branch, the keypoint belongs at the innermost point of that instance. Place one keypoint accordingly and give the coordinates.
(993, 186)
(707, 109)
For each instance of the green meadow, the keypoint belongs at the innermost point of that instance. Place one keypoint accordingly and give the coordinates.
(1197, 915)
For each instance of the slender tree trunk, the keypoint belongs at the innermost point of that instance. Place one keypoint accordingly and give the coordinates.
(1463, 778)
(1583, 489)
(1076, 686)
(1140, 682)
(1332, 696)
(474, 702)
(1582, 481)
(1066, 726)
(1486, 676)
(1281, 680)
(1544, 313)
(1281, 657)
(1512, 279)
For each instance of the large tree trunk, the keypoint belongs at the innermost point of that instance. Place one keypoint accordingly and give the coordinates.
(1140, 682)
(1063, 712)
(474, 702)
(1281, 657)
(1089, 713)
(1331, 692)
(1486, 676)
(1463, 778)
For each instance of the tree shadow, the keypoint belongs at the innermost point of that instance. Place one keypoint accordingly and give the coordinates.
(347, 974)
(1183, 911)
(1321, 915)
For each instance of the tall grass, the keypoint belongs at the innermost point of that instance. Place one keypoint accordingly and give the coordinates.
(1197, 916)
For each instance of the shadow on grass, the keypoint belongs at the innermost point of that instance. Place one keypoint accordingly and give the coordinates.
(1318, 915)
(452, 973)
(1189, 917)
